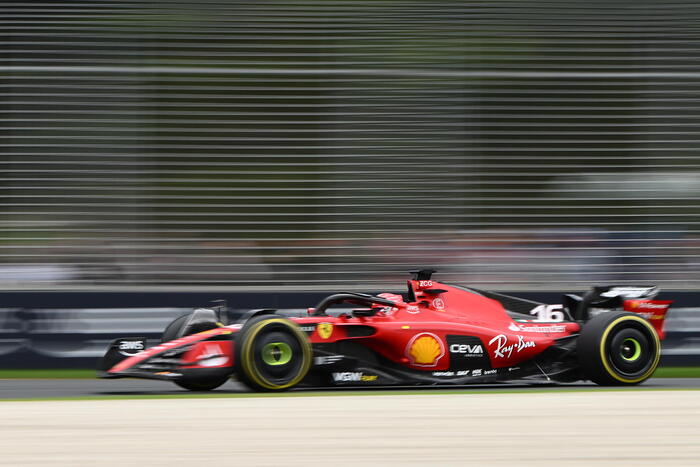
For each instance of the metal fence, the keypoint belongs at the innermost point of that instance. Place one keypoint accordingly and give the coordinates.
(301, 144)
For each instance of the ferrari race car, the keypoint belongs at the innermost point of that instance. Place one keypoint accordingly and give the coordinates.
(435, 334)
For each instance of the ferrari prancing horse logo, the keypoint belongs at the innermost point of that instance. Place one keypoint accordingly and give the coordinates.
(324, 330)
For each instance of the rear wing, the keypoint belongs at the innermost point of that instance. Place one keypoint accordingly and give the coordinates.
(635, 299)
(653, 311)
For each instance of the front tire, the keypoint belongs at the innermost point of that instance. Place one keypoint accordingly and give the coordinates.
(272, 354)
(172, 331)
(618, 349)
(208, 384)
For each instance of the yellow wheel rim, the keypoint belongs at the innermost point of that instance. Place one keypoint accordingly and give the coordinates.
(604, 356)
(247, 357)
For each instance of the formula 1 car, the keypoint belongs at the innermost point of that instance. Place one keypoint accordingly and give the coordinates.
(435, 334)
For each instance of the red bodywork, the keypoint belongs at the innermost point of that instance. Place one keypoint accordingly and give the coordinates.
(412, 334)
(434, 316)
(435, 334)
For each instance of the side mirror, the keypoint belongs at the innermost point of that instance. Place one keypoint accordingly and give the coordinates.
(220, 307)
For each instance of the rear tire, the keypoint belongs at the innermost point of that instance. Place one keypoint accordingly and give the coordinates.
(272, 354)
(618, 349)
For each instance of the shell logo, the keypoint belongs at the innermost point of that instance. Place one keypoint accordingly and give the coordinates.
(634, 304)
(425, 349)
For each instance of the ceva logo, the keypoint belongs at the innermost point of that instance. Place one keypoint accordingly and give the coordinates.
(467, 349)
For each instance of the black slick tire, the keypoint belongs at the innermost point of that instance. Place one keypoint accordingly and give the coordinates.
(200, 384)
(172, 331)
(618, 349)
(272, 354)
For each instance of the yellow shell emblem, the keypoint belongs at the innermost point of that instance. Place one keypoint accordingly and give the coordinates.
(425, 349)
(324, 330)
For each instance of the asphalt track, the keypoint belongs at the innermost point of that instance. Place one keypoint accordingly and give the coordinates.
(78, 388)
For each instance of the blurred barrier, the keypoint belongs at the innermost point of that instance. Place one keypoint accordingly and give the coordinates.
(316, 143)
(53, 329)
(76, 337)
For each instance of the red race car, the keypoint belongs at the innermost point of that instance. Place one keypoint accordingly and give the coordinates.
(435, 334)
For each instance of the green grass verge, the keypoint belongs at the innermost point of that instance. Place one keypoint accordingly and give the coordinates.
(678, 372)
(48, 374)
(663, 372)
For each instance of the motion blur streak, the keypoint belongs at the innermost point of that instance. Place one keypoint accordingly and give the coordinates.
(620, 428)
(511, 144)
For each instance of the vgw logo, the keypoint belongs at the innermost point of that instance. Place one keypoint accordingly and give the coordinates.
(467, 349)
(348, 376)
